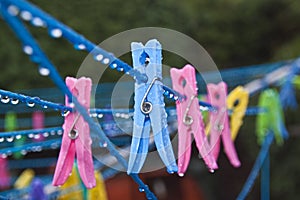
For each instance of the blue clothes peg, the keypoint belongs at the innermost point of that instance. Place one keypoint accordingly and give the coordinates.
(149, 109)
(37, 190)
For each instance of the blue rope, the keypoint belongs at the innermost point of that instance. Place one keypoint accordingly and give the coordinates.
(27, 132)
(257, 166)
(265, 179)
(41, 58)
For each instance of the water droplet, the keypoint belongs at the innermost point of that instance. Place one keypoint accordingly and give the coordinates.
(44, 71)
(14, 101)
(4, 155)
(120, 69)
(45, 106)
(56, 33)
(72, 105)
(13, 10)
(166, 92)
(105, 61)
(70, 174)
(104, 144)
(31, 135)
(175, 98)
(98, 57)
(54, 146)
(79, 46)
(2, 139)
(114, 66)
(211, 170)
(18, 137)
(52, 132)
(37, 136)
(5, 99)
(9, 152)
(23, 152)
(59, 132)
(46, 134)
(59, 186)
(171, 96)
(39, 148)
(27, 16)
(38, 22)
(65, 113)
(28, 50)
(181, 174)
(30, 104)
(100, 115)
(10, 139)
(141, 189)
(169, 170)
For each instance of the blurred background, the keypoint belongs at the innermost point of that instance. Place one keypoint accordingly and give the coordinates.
(234, 32)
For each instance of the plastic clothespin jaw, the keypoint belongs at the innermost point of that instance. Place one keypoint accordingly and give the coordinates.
(76, 138)
(219, 122)
(189, 119)
(272, 120)
(237, 101)
(149, 109)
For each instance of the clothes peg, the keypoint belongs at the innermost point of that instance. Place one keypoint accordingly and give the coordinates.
(70, 189)
(38, 119)
(11, 124)
(149, 109)
(24, 179)
(189, 119)
(271, 120)
(76, 138)
(98, 192)
(4, 174)
(237, 101)
(37, 190)
(219, 123)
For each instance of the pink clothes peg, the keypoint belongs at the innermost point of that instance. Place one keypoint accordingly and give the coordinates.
(219, 123)
(190, 119)
(38, 123)
(4, 174)
(76, 138)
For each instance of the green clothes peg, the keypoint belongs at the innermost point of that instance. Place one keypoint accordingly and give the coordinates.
(272, 119)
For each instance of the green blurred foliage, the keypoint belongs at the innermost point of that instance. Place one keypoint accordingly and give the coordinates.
(234, 32)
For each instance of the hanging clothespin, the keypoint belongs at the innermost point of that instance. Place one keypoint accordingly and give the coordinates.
(219, 123)
(273, 119)
(76, 138)
(237, 101)
(37, 190)
(98, 192)
(189, 119)
(149, 109)
(4, 174)
(11, 124)
(71, 189)
(38, 119)
(24, 179)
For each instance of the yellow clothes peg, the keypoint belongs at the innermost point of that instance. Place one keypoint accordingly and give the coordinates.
(98, 192)
(296, 81)
(24, 179)
(71, 190)
(237, 101)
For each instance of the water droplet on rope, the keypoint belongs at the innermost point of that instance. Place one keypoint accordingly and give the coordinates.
(23, 152)
(38, 22)
(65, 113)
(27, 16)
(14, 101)
(100, 115)
(10, 139)
(104, 144)
(79, 46)
(31, 135)
(44, 71)
(56, 33)
(37, 136)
(28, 50)
(30, 104)
(46, 134)
(5, 99)
(105, 61)
(98, 57)
(13, 10)
(141, 189)
(2, 139)
(18, 137)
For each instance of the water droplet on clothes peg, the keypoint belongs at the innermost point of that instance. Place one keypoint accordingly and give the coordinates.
(10, 139)
(175, 98)
(27, 16)
(181, 174)
(13, 10)
(79, 46)
(14, 101)
(44, 71)
(211, 170)
(4, 155)
(38, 22)
(171, 96)
(170, 171)
(56, 33)
(5, 99)
(98, 57)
